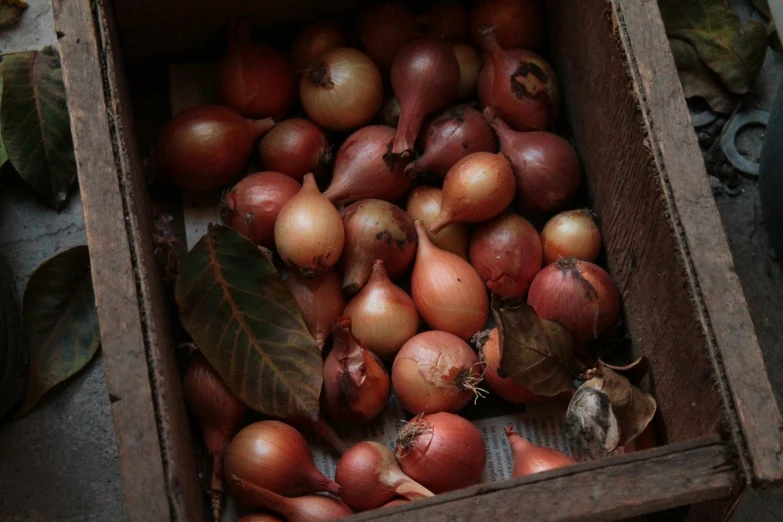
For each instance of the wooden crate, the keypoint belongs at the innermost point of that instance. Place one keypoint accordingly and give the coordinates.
(718, 419)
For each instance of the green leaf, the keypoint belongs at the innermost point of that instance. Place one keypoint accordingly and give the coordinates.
(61, 322)
(13, 357)
(34, 123)
(245, 321)
(10, 11)
(698, 81)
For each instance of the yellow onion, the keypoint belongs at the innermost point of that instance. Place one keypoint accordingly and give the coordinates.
(424, 205)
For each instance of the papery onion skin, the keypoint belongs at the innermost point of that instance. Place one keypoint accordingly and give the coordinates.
(375, 229)
(456, 133)
(314, 40)
(469, 69)
(320, 300)
(447, 19)
(530, 458)
(364, 168)
(434, 372)
(573, 233)
(498, 381)
(424, 204)
(442, 451)
(207, 146)
(342, 90)
(506, 253)
(519, 23)
(251, 207)
(449, 294)
(309, 232)
(384, 28)
(295, 147)
(577, 294)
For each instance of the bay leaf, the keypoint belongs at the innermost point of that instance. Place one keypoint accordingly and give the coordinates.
(534, 352)
(35, 125)
(61, 322)
(13, 355)
(10, 12)
(242, 317)
(699, 81)
(590, 424)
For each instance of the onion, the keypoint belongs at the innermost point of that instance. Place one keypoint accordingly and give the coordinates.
(546, 166)
(375, 229)
(371, 477)
(520, 86)
(342, 90)
(425, 76)
(383, 315)
(309, 231)
(442, 451)
(253, 78)
(458, 132)
(365, 169)
(219, 414)
(519, 23)
(448, 292)
(424, 205)
(434, 372)
(205, 147)
(448, 19)
(320, 300)
(573, 233)
(469, 67)
(390, 113)
(273, 455)
(384, 28)
(259, 517)
(396, 502)
(295, 147)
(506, 253)
(498, 381)
(356, 385)
(311, 508)
(314, 40)
(577, 294)
(252, 206)
(530, 458)
(478, 187)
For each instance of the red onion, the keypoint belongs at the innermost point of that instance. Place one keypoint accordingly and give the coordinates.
(253, 78)
(314, 40)
(295, 147)
(310, 508)
(520, 86)
(424, 204)
(425, 76)
(384, 28)
(447, 19)
(529, 458)
(320, 300)
(252, 206)
(518, 23)
(573, 233)
(546, 166)
(469, 68)
(458, 132)
(442, 451)
(498, 381)
(364, 168)
(205, 147)
(375, 229)
(577, 294)
(506, 253)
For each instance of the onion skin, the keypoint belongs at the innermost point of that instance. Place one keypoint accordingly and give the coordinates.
(469, 69)
(314, 40)
(273, 455)
(500, 383)
(506, 253)
(577, 294)
(309, 232)
(519, 23)
(375, 229)
(371, 477)
(384, 317)
(364, 168)
(342, 90)
(530, 458)
(443, 452)
(425, 76)
(253, 78)
(424, 205)
(451, 136)
(447, 19)
(295, 147)
(477, 188)
(384, 28)
(435, 372)
(520, 86)
(546, 167)
(320, 300)
(356, 385)
(252, 206)
(573, 233)
(207, 146)
(449, 294)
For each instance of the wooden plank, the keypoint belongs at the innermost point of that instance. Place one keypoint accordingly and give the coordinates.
(731, 336)
(610, 489)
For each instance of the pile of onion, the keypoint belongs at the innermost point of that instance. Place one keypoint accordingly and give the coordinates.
(517, 23)
(384, 28)
(295, 147)
(573, 233)
(424, 204)
(320, 300)
(314, 40)
(309, 508)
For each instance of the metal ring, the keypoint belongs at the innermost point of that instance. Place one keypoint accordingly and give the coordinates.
(728, 141)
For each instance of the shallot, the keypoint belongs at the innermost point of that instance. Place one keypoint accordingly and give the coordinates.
(424, 204)
(518, 23)
(469, 68)
(295, 147)
(572, 233)
(530, 458)
(320, 300)
(384, 28)
(314, 40)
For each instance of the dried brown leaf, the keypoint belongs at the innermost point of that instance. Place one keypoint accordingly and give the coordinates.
(698, 81)
(634, 372)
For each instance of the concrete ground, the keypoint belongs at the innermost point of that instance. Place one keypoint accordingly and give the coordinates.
(60, 462)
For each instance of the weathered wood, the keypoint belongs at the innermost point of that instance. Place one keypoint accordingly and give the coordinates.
(719, 510)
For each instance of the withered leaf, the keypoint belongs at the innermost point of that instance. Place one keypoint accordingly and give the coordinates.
(10, 12)
(534, 352)
(634, 372)
(700, 82)
(591, 426)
